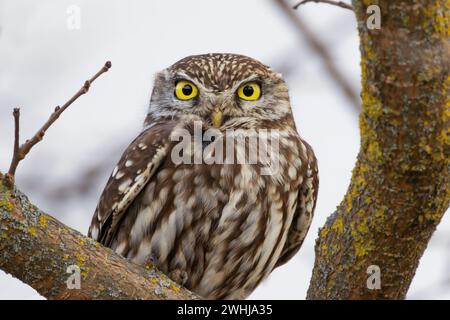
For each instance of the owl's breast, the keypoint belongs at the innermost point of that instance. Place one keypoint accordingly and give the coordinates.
(221, 225)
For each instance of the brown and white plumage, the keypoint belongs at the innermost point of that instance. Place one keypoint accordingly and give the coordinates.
(218, 229)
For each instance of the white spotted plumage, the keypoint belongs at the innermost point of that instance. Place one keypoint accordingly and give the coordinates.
(217, 228)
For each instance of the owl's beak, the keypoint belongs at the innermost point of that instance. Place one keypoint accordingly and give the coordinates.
(216, 118)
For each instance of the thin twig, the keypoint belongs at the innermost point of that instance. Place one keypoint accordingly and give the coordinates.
(320, 49)
(20, 152)
(16, 152)
(334, 3)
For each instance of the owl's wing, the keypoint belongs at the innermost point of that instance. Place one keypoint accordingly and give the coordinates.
(134, 169)
(306, 203)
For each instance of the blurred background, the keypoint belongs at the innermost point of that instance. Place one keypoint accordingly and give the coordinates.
(48, 48)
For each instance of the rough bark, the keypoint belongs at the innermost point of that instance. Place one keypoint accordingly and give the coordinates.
(37, 249)
(400, 187)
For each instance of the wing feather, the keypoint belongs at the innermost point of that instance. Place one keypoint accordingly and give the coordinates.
(306, 203)
(133, 171)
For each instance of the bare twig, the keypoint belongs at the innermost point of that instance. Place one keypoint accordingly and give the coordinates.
(43, 252)
(24, 149)
(323, 53)
(334, 3)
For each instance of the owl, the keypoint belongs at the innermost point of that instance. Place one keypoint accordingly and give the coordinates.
(218, 227)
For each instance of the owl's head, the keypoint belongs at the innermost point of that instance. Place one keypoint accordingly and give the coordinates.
(222, 90)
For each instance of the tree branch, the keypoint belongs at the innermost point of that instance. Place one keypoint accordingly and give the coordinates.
(20, 152)
(400, 187)
(334, 3)
(38, 249)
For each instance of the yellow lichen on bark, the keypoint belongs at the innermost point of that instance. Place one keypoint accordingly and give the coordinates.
(400, 185)
(38, 249)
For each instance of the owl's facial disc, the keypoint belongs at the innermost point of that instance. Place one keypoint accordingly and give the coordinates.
(214, 106)
(223, 90)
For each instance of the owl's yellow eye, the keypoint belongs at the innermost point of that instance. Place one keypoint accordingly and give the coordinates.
(249, 91)
(185, 90)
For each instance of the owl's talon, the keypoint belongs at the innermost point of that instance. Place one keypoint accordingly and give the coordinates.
(179, 276)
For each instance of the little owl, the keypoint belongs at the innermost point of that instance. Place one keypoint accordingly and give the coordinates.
(217, 227)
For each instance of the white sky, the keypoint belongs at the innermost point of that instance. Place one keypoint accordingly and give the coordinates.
(42, 63)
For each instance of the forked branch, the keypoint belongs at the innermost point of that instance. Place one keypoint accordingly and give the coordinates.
(20, 151)
(50, 257)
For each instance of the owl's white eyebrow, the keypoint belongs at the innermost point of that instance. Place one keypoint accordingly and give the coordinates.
(249, 79)
(182, 76)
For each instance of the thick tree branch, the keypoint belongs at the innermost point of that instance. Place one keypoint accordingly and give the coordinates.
(334, 3)
(400, 187)
(38, 249)
(20, 152)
